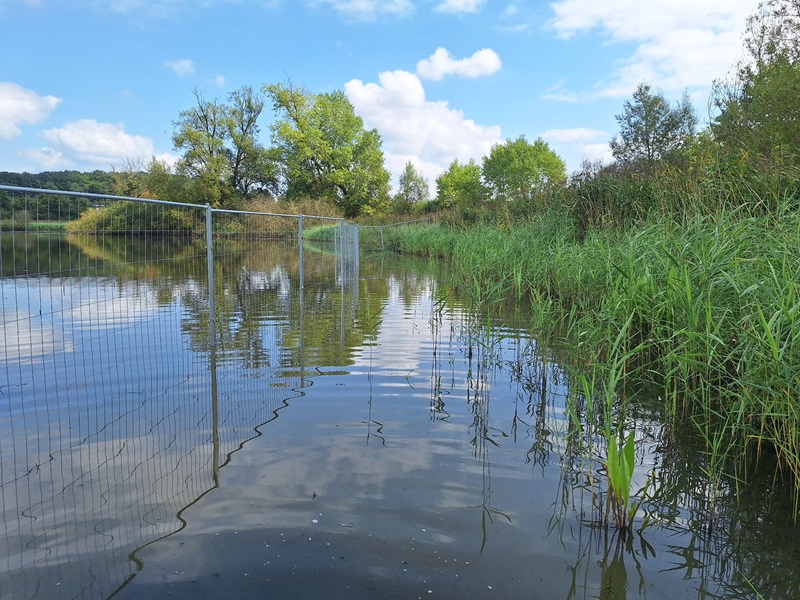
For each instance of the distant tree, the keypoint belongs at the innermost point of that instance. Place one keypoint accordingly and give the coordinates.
(200, 132)
(460, 183)
(651, 129)
(324, 150)
(412, 188)
(251, 169)
(519, 170)
(759, 106)
(221, 149)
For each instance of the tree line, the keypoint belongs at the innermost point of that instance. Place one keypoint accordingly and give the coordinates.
(320, 149)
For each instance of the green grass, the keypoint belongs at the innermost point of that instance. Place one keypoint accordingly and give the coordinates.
(34, 226)
(708, 306)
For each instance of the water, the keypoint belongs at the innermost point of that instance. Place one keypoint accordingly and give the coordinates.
(361, 439)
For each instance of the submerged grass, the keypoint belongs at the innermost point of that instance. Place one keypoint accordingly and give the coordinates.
(708, 306)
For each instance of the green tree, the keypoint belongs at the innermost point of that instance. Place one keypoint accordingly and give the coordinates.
(759, 106)
(200, 133)
(460, 183)
(325, 152)
(412, 188)
(251, 169)
(220, 146)
(651, 129)
(520, 170)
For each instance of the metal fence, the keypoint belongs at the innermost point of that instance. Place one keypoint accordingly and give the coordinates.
(140, 350)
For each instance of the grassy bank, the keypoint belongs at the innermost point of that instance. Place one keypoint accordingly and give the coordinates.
(705, 308)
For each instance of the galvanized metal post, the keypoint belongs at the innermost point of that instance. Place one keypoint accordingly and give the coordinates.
(210, 268)
(212, 346)
(302, 304)
(343, 277)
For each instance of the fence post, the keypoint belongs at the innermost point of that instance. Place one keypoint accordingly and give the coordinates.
(302, 348)
(212, 346)
(210, 268)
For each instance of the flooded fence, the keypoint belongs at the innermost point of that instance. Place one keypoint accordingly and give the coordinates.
(140, 349)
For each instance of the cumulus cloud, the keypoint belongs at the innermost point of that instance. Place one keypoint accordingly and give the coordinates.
(47, 159)
(460, 6)
(89, 143)
(679, 43)
(366, 10)
(181, 67)
(19, 105)
(430, 134)
(441, 63)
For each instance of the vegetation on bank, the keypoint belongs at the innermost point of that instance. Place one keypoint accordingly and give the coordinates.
(676, 268)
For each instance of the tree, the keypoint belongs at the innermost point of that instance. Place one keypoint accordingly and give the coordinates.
(759, 107)
(519, 170)
(325, 152)
(221, 149)
(200, 134)
(251, 169)
(412, 188)
(460, 183)
(650, 129)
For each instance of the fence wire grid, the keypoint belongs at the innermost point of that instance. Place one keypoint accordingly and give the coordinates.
(141, 348)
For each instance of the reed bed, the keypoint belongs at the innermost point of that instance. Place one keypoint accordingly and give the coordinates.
(708, 307)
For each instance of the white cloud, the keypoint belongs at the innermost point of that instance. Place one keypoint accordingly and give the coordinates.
(366, 10)
(19, 105)
(219, 81)
(596, 153)
(509, 11)
(441, 63)
(460, 6)
(181, 67)
(680, 43)
(47, 159)
(102, 145)
(430, 134)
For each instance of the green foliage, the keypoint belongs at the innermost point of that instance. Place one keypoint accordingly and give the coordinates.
(619, 469)
(220, 147)
(138, 218)
(412, 189)
(325, 152)
(521, 170)
(650, 129)
(710, 307)
(45, 207)
(460, 184)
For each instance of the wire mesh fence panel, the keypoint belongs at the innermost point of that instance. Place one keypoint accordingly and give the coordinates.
(104, 435)
(134, 362)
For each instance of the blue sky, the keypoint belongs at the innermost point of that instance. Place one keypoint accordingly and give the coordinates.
(96, 84)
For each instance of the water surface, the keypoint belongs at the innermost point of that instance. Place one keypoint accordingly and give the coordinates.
(349, 433)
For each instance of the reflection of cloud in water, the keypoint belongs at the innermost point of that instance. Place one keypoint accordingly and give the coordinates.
(104, 304)
(277, 279)
(26, 338)
(401, 340)
(37, 312)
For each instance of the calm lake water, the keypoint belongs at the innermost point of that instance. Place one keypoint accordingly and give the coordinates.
(350, 434)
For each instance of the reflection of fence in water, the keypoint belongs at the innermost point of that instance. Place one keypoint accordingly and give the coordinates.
(118, 404)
